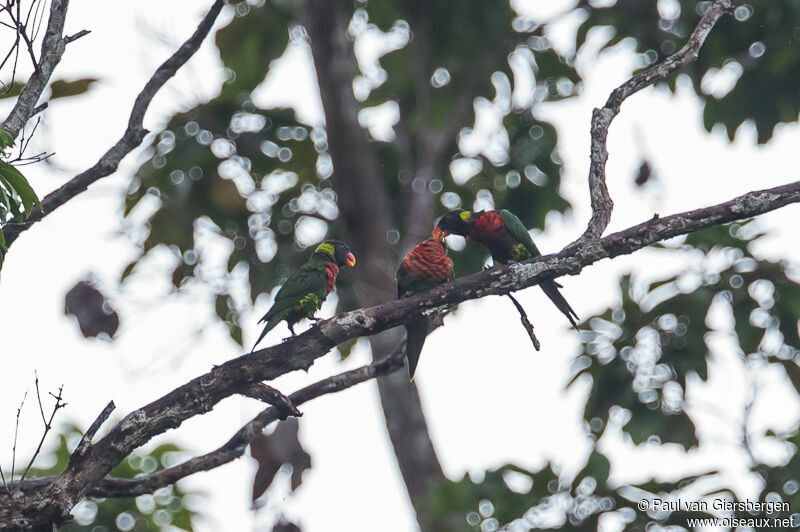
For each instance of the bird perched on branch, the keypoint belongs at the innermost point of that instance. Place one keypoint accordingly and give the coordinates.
(507, 240)
(425, 266)
(304, 290)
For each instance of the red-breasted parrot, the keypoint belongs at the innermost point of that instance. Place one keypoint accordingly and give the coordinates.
(305, 289)
(425, 266)
(507, 240)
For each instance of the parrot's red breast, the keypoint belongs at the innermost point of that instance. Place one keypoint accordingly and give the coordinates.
(331, 271)
(428, 264)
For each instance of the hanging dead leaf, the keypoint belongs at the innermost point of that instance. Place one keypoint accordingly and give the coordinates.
(273, 450)
(94, 313)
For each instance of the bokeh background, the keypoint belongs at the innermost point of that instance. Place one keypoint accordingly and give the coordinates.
(364, 121)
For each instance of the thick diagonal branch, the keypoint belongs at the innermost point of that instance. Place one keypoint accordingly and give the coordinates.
(134, 134)
(236, 445)
(201, 394)
(602, 204)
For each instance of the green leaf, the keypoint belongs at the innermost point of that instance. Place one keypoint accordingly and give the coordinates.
(6, 140)
(19, 184)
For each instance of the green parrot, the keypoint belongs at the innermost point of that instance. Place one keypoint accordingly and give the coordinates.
(507, 240)
(305, 289)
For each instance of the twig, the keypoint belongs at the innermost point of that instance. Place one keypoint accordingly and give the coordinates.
(133, 135)
(47, 425)
(523, 317)
(23, 143)
(21, 31)
(70, 38)
(602, 204)
(86, 440)
(16, 432)
(39, 397)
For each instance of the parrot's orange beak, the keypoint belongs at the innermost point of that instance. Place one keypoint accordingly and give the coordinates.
(439, 233)
(351, 260)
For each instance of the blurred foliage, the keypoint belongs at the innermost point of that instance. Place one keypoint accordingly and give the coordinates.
(164, 510)
(638, 355)
(94, 313)
(258, 178)
(748, 68)
(62, 88)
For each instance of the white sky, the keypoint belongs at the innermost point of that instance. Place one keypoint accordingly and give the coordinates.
(354, 484)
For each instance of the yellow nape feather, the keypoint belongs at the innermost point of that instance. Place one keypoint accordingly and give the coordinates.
(465, 215)
(326, 248)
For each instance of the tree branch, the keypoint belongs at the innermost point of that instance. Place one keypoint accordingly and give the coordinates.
(236, 445)
(86, 440)
(526, 323)
(273, 397)
(201, 394)
(134, 134)
(602, 204)
(53, 47)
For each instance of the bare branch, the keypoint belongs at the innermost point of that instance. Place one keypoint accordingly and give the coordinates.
(236, 445)
(271, 396)
(134, 134)
(48, 424)
(39, 397)
(70, 38)
(16, 433)
(602, 204)
(523, 317)
(86, 440)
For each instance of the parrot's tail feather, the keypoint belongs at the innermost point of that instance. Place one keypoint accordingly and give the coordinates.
(273, 321)
(550, 288)
(416, 331)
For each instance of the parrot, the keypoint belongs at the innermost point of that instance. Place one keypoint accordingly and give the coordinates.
(425, 266)
(305, 289)
(507, 240)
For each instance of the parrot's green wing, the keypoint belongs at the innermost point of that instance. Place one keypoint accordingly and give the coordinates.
(549, 286)
(518, 231)
(309, 279)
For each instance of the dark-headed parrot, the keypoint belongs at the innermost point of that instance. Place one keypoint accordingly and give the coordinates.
(305, 289)
(507, 240)
(425, 266)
